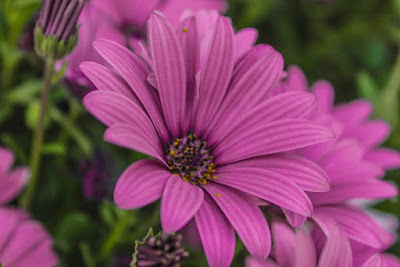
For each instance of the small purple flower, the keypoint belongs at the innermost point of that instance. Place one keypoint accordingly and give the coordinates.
(196, 103)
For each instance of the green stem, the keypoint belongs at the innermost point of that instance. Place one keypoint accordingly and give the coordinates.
(115, 236)
(37, 141)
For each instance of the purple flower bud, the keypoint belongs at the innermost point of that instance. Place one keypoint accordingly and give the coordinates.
(59, 17)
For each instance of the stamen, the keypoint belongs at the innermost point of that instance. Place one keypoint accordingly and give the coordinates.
(191, 159)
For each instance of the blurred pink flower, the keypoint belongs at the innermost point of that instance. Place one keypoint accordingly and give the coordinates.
(24, 242)
(296, 248)
(124, 22)
(354, 163)
(199, 109)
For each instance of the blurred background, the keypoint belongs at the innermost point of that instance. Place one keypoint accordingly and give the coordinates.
(354, 44)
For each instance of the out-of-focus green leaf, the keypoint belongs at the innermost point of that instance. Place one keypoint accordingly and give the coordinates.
(26, 92)
(367, 87)
(54, 149)
(107, 212)
(32, 115)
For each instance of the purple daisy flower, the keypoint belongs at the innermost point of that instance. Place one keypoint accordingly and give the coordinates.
(297, 248)
(354, 163)
(199, 109)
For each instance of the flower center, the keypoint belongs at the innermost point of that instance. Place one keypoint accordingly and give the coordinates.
(190, 158)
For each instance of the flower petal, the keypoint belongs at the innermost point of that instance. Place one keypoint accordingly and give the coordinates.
(141, 184)
(246, 218)
(170, 71)
(305, 249)
(245, 39)
(269, 186)
(305, 173)
(358, 189)
(188, 38)
(371, 134)
(337, 250)
(180, 202)
(135, 73)
(217, 73)
(291, 105)
(358, 225)
(284, 243)
(294, 219)
(106, 80)
(258, 71)
(353, 114)
(274, 137)
(386, 158)
(325, 94)
(12, 183)
(7, 159)
(134, 138)
(216, 233)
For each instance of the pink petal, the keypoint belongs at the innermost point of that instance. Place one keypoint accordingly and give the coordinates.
(169, 68)
(258, 71)
(42, 255)
(246, 218)
(135, 73)
(180, 202)
(253, 262)
(325, 94)
(106, 80)
(188, 38)
(358, 225)
(306, 174)
(305, 249)
(294, 219)
(245, 39)
(372, 133)
(353, 114)
(337, 250)
(135, 138)
(274, 137)
(27, 236)
(10, 219)
(12, 183)
(216, 233)
(217, 73)
(291, 105)
(358, 189)
(7, 159)
(375, 260)
(140, 184)
(284, 243)
(384, 157)
(269, 186)
(112, 108)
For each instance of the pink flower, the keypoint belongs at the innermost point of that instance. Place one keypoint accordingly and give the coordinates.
(124, 22)
(354, 163)
(297, 248)
(23, 242)
(217, 143)
(11, 181)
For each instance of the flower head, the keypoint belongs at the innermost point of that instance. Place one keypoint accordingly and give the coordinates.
(159, 250)
(354, 163)
(55, 30)
(196, 103)
(124, 22)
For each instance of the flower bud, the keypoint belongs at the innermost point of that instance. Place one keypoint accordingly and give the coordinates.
(55, 31)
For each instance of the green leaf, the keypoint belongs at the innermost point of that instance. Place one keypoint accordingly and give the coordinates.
(26, 92)
(32, 115)
(367, 87)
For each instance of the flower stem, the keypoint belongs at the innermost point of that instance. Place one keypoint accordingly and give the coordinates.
(37, 141)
